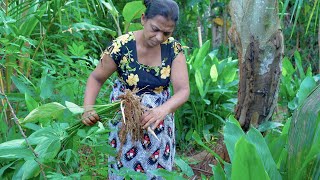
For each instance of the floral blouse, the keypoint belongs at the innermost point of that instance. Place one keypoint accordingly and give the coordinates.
(147, 79)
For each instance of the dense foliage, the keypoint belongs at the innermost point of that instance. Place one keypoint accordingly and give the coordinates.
(48, 49)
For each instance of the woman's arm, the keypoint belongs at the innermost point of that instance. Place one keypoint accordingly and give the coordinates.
(101, 73)
(180, 83)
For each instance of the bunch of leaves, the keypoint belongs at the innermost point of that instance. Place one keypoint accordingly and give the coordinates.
(296, 83)
(288, 153)
(212, 97)
(50, 141)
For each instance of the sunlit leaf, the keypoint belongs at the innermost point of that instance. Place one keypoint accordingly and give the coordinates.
(133, 10)
(31, 103)
(75, 109)
(214, 73)
(50, 110)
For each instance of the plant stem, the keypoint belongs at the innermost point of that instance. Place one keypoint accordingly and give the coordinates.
(16, 120)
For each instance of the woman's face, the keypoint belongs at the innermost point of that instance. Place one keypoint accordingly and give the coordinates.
(156, 30)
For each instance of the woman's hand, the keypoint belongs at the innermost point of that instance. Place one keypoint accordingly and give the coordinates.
(90, 117)
(153, 117)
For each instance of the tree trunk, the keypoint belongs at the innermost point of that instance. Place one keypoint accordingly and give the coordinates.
(259, 41)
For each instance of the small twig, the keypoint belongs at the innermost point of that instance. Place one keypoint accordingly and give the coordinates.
(16, 120)
(201, 170)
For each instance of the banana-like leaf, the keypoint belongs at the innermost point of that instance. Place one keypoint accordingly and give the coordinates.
(304, 139)
(247, 163)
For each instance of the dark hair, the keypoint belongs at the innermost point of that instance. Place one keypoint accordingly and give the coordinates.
(166, 8)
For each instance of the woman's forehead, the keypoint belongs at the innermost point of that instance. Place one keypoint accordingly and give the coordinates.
(162, 23)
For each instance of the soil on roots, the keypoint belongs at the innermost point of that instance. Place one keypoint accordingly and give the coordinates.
(132, 111)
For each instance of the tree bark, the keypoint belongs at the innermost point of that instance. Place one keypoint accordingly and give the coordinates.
(259, 41)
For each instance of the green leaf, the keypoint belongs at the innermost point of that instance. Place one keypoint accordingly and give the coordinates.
(218, 171)
(268, 125)
(255, 137)
(200, 57)
(5, 168)
(307, 85)
(75, 109)
(47, 111)
(298, 61)
(133, 10)
(168, 175)
(21, 86)
(48, 149)
(247, 164)
(30, 169)
(14, 149)
(31, 103)
(287, 68)
(199, 83)
(186, 169)
(232, 133)
(304, 138)
(46, 86)
(214, 73)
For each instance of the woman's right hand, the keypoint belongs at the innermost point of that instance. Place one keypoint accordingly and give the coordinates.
(90, 117)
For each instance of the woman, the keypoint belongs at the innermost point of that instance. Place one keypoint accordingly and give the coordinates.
(149, 60)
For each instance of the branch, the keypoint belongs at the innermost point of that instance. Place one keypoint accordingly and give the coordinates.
(16, 120)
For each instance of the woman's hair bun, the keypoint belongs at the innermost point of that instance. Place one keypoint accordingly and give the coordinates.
(147, 2)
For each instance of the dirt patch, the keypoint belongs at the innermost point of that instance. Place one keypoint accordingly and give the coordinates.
(201, 161)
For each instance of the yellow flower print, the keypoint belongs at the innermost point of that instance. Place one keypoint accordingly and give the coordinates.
(177, 48)
(123, 39)
(169, 40)
(115, 49)
(124, 60)
(165, 72)
(133, 79)
(158, 89)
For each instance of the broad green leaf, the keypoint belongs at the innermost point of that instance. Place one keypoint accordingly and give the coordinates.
(48, 149)
(30, 169)
(21, 86)
(287, 68)
(214, 73)
(134, 26)
(186, 169)
(232, 133)
(75, 109)
(247, 164)
(31, 103)
(133, 10)
(199, 82)
(46, 86)
(200, 57)
(218, 172)
(50, 110)
(14, 149)
(303, 137)
(307, 85)
(262, 149)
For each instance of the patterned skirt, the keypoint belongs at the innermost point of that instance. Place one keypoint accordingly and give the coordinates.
(148, 154)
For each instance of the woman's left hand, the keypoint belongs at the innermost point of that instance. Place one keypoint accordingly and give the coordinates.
(153, 117)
